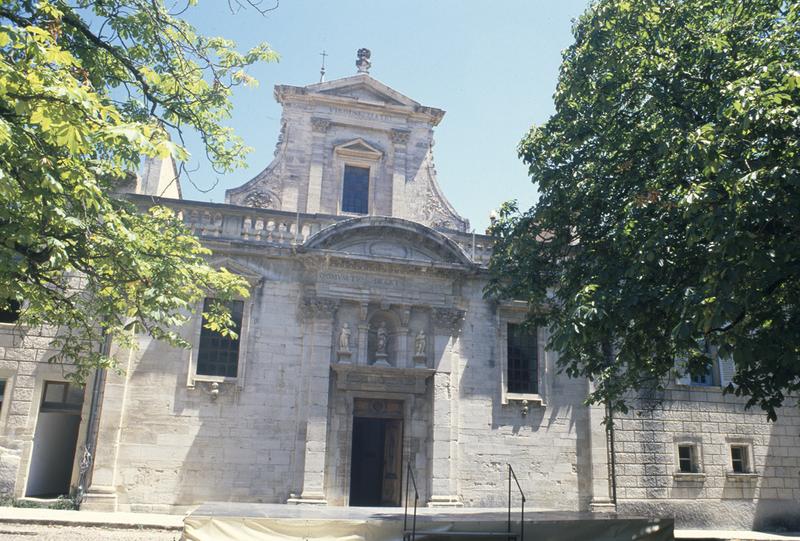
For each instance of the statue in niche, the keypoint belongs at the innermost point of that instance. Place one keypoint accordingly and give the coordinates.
(420, 344)
(344, 339)
(380, 347)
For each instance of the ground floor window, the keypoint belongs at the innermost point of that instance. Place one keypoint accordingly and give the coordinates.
(523, 364)
(740, 459)
(218, 355)
(687, 458)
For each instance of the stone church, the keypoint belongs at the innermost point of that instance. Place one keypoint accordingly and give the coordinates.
(366, 345)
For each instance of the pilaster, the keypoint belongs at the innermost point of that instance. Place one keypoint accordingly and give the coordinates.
(318, 314)
(319, 128)
(599, 450)
(444, 440)
(101, 494)
(400, 140)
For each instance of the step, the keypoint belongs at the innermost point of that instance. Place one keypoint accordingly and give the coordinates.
(434, 533)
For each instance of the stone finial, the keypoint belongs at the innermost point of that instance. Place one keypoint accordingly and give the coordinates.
(363, 64)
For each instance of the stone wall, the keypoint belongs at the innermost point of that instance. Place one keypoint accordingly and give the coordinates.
(179, 446)
(24, 354)
(648, 477)
(543, 446)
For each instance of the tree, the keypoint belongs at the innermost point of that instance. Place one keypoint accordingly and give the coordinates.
(668, 223)
(86, 89)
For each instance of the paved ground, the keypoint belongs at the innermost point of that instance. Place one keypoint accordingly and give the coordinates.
(41, 532)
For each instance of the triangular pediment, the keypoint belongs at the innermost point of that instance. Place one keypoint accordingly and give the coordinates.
(364, 89)
(252, 276)
(359, 147)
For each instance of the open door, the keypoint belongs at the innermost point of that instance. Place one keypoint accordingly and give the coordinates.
(55, 440)
(376, 453)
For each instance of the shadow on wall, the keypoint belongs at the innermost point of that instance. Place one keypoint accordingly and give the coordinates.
(541, 441)
(183, 445)
(778, 508)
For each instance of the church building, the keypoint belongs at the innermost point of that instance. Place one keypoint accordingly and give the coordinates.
(367, 347)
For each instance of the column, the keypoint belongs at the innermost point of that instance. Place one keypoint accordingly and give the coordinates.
(318, 315)
(444, 441)
(319, 127)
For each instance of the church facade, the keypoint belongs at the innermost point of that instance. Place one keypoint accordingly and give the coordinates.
(366, 347)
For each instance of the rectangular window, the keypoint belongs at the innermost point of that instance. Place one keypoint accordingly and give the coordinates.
(740, 459)
(9, 311)
(523, 365)
(218, 355)
(62, 396)
(355, 192)
(687, 459)
(704, 379)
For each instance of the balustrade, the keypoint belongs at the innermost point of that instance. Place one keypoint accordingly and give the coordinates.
(214, 220)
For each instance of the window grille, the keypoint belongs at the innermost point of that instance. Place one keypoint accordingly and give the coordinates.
(218, 355)
(523, 365)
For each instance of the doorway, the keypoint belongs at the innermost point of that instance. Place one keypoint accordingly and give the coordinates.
(376, 456)
(55, 440)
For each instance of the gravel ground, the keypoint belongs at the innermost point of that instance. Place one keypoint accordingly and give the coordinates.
(30, 532)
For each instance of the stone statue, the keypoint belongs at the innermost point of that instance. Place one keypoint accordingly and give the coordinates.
(363, 64)
(344, 338)
(420, 344)
(380, 348)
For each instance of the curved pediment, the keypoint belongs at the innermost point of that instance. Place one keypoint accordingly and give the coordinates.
(389, 238)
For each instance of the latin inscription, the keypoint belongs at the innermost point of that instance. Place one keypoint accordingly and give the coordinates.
(368, 280)
(364, 115)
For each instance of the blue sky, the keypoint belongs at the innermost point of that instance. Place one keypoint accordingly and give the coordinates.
(492, 66)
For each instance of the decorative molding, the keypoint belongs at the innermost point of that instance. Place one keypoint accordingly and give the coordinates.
(448, 319)
(312, 306)
(320, 125)
(400, 137)
(259, 199)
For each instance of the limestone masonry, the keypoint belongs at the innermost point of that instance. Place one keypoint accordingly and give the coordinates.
(366, 344)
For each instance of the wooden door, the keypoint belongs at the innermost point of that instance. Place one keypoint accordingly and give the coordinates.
(392, 462)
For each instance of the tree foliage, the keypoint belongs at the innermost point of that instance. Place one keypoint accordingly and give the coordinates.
(86, 89)
(668, 224)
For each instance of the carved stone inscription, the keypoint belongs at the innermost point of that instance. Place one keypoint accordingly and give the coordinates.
(383, 282)
(361, 115)
(361, 280)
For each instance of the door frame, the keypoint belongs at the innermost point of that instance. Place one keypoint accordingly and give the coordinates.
(401, 411)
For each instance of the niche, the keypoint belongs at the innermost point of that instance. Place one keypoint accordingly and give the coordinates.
(383, 340)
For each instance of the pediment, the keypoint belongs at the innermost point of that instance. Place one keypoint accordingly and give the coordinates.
(359, 147)
(363, 93)
(363, 88)
(389, 238)
(251, 275)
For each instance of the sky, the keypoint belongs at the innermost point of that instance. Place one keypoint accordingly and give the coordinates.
(492, 66)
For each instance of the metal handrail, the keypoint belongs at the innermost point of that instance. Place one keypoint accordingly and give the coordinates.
(410, 478)
(522, 495)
